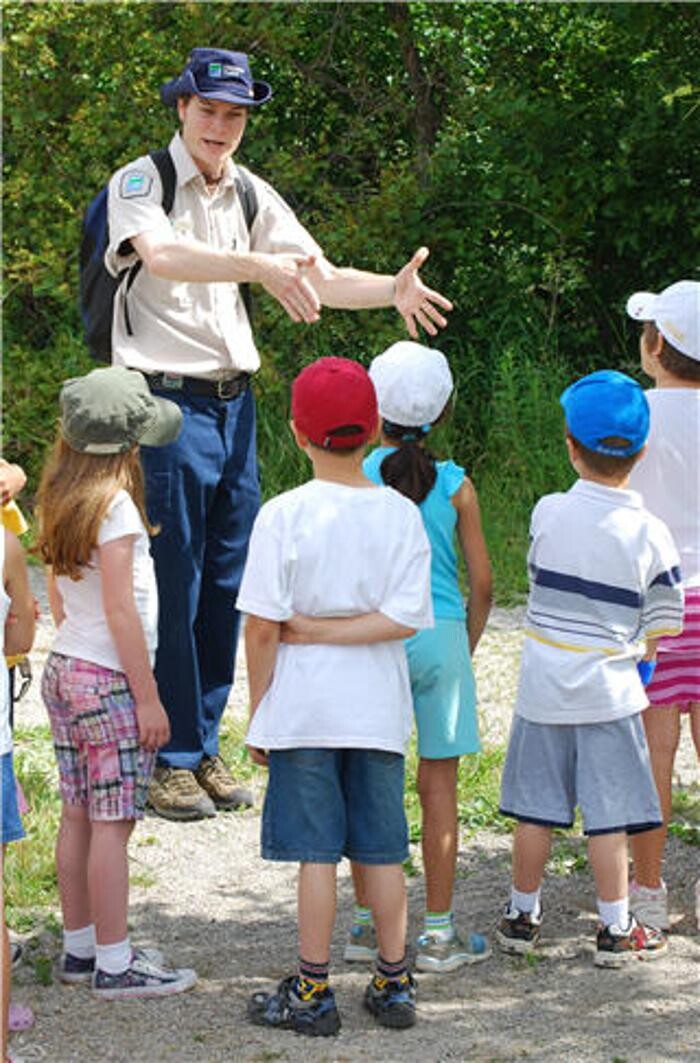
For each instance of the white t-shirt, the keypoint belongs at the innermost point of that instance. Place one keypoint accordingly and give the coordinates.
(668, 476)
(326, 549)
(603, 577)
(5, 732)
(84, 632)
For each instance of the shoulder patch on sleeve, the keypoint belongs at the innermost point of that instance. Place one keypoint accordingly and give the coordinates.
(135, 183)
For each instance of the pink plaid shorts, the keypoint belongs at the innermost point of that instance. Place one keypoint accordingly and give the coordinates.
(95, 733)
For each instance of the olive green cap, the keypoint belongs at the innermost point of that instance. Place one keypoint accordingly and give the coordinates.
(109, 410)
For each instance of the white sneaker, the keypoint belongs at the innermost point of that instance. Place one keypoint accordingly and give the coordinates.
(650, 906)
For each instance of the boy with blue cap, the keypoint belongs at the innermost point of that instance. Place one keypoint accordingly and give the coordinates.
(183, 322)
(604, 586)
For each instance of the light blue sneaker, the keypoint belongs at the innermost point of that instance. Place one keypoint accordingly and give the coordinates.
(361, 946)
(441, 954)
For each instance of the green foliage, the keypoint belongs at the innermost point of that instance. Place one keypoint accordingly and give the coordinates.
(544, 152)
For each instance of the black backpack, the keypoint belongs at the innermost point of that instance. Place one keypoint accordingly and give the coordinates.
(97, 285)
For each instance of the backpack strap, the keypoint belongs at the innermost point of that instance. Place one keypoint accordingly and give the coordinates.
(248, 197)
(163, 162)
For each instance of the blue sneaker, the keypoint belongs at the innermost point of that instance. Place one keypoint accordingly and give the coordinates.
(393, 1003)
(298, 1005)
(442, 954)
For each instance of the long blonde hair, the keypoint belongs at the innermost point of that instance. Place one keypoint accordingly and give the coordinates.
(74, 495)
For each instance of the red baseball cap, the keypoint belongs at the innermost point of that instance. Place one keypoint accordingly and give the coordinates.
(334, 403)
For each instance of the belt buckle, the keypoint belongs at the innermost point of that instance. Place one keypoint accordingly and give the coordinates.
(229, 387)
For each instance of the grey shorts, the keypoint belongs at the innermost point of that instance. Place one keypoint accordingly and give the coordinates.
(603, 768)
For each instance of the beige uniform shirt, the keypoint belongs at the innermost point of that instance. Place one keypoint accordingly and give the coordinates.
(193, 329)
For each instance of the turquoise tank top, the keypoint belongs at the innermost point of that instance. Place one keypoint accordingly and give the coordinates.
(440, 521)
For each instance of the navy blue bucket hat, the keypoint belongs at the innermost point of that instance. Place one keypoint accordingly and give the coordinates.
(217, 75)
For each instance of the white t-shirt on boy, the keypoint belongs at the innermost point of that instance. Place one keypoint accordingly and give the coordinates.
(327, 549)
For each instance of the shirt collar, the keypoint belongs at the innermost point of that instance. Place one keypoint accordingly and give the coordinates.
(611, 496)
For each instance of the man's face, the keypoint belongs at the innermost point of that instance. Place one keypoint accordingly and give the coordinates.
(211, 130)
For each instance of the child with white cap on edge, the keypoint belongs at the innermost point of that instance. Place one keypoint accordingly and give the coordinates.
(667, 478)
(105, 712)
(604, 585)
(414, 385)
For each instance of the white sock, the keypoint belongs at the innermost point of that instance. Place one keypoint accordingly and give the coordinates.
(113, 959)
(80, 943)
(529, 903)
(614, 913)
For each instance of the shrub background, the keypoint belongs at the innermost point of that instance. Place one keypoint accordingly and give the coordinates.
(546, 153)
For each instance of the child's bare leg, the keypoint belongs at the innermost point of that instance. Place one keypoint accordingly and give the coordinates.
(531, 847)
(662, 727)
(695, 725)
(316, 904)
(437, 789)
(358, 884)
(72, 851)
(4, 966)
(108, 879)
(608, 856)
(386, 893)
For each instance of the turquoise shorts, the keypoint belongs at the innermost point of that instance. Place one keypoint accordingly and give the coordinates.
(11, 824)
(444, 692)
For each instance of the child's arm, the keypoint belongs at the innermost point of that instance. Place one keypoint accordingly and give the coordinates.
(124, 622)
(12, 480)
(262, 638)
(21, 618)
(343, 631)
(476, 556)
(55, 598)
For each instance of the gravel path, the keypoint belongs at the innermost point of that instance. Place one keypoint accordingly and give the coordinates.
(204, 896)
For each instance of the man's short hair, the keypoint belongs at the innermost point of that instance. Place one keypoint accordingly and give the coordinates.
(673, 361)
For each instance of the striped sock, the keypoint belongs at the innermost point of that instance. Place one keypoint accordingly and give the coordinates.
(391, 972)
(439, 923)
(361, 916)
(313, 975)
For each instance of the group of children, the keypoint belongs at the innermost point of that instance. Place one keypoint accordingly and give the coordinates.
(356, 627)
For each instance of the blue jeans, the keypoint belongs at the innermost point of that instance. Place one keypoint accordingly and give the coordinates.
(203, 490)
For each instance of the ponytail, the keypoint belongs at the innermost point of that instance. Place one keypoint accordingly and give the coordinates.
(408, 469)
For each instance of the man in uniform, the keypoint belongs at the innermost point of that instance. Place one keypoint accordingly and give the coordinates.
(183, 323)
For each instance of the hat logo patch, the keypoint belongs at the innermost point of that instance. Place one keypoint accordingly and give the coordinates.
(225, 70)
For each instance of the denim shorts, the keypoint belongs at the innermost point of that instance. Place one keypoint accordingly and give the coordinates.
(101, 763)
(603, 768)
(323, 804)
(443, 691)
(12, 829)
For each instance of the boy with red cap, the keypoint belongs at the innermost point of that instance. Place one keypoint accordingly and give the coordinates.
(332, 721)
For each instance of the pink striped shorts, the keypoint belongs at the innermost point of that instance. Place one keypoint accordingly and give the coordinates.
(676, 680)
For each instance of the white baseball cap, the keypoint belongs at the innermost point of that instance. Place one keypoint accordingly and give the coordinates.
(413, 383)
(676, 313)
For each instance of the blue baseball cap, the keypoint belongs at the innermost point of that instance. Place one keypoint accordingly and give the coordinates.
(607, 405)
(216, 74)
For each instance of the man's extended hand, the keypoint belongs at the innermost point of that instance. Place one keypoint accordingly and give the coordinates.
(416, 302)
(283, 276)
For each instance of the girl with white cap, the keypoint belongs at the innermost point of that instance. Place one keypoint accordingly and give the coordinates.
(414, 385)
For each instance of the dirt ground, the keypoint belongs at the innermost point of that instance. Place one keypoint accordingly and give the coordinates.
(202, 894)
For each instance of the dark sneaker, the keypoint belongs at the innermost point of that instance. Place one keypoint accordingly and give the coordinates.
(142, 979)
(361, 946)
(216, 780)
(615, 947)
(392, 1003)
(174, 793)
(73, 970)
(440, 954)
(304, 1007)
(518, 932)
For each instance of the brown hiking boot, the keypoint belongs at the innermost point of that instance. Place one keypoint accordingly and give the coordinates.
(175, 794)
(214, 777)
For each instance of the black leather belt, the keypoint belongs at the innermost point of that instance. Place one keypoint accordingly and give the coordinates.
(229, 387)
